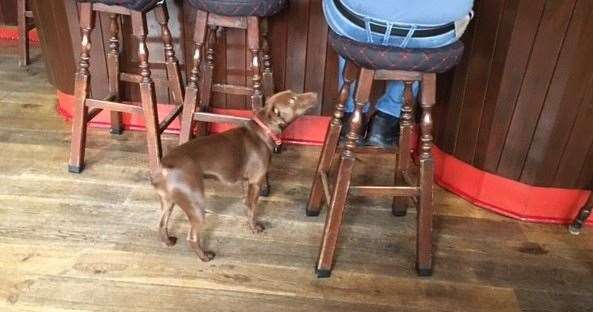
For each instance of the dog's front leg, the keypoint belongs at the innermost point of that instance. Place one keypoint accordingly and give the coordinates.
(252, 199)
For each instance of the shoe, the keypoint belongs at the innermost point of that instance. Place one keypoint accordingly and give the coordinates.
(346, 128)
(383, 130)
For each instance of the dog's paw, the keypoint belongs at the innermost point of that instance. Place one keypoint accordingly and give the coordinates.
(257, 227)
(169, 241)
(208, 255)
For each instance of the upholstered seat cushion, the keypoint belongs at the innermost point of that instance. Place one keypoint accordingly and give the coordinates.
(240, 7)
(372, 56)
(136, 5)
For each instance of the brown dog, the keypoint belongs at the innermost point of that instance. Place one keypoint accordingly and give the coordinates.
(242, 154)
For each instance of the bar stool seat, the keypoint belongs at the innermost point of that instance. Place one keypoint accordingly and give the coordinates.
(373, 56)
(261, 8)
(381, 63)
(134, 5)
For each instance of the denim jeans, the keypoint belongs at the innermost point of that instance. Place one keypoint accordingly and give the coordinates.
(391, 102)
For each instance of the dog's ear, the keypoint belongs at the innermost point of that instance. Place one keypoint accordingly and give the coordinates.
(307, 100)
(271, 101)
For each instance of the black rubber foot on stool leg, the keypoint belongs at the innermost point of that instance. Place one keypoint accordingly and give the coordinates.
(310, 213)
(424, 272)
(116, 131)
(399, 213)
(323, 273)
(75, 169)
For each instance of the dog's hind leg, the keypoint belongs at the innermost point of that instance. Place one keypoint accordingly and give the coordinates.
(190, 199)
(166, 209)
(252, 198)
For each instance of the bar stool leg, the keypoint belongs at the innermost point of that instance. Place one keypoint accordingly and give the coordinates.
(425, 203)
(268, 74)
(253, 44)
(206, 90)
(579, 221)
(191, 93)
(171, 62)
(23, 48)
(147, 93)
(332, 138)
(113, 72)
(78, 143)
(399, 206)
(333, 222)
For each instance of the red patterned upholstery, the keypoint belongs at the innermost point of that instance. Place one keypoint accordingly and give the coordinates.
(240, 7)
(136, 5)
(372, 56)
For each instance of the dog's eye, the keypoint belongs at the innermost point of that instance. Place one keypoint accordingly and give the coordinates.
(276, 111)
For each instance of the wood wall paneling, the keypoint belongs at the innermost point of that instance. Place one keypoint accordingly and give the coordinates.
(8, 12)
(520, 102)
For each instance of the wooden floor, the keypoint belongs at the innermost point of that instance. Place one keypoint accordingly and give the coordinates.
(88, 242)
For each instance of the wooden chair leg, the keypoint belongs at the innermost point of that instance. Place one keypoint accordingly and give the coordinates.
(332, 138)
(206, 90)
(171, 62)
(584, 213)
(399, 206)
(191, 93)
(113, 72)
(147, 93)
(267, 75)
(253, 44)
(23, 44)
(81, 88)
(335, 214)
(425, 203)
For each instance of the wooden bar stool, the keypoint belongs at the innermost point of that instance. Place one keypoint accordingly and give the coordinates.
(148, 105)
(24, 24)
(381, 63)
(212, 17)
(581, 218)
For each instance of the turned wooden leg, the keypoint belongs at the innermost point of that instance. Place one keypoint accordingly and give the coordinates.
(147, 93)
(399, 206)
(579, 221)
(335, 214)
(425, 203)
(171, 62)
(190, 103)
(254, 47)
(81, 88)
(23, 30)
(332, 138)
(113, 73)
(267, 75)
(206, 90)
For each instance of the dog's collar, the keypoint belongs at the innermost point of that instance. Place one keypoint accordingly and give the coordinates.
(277, 141)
